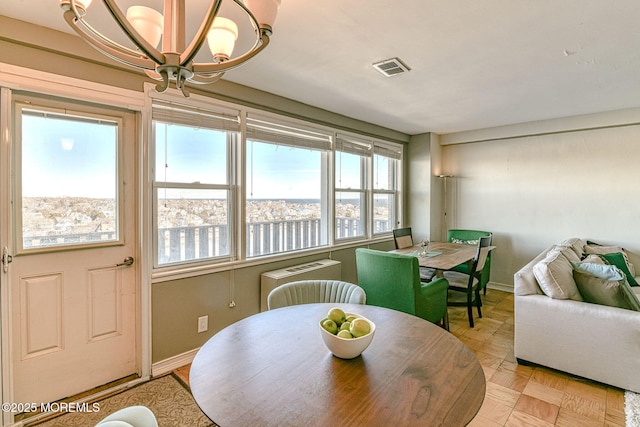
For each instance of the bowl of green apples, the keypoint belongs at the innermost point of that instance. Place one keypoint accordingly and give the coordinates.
(346, 335)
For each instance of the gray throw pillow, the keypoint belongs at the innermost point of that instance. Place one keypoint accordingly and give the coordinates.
(605, 285)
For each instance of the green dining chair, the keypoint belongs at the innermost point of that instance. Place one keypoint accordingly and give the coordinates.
(314, 291)
(393, 281)
(471, 237)
(467, 285)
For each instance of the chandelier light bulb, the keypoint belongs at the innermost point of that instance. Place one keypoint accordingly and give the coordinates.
(148, 22)
(82, 5)
(222, 38)
(265, 11)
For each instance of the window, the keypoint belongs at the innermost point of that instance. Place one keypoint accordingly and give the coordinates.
(234, 185)
(386, 166)
(286, 176)
(68, 177)
(192, 183)
(351, 171)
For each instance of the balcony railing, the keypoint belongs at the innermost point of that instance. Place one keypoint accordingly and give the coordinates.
(208, 241)
(184, 243)
(68, 239)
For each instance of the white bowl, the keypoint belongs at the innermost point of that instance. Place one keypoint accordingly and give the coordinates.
(347, 348)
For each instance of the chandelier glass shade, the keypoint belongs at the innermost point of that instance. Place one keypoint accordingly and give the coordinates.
(172, 60)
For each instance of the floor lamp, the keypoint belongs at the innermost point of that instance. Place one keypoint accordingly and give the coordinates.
(445, 178)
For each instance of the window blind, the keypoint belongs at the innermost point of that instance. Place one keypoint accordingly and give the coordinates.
(197, 117)
(353, 146)
(66, 117)
(283, 134)
(392, 152)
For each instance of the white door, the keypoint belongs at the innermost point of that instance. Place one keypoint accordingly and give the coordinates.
(72, 279)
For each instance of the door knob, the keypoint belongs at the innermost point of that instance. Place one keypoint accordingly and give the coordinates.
(6, 259)
(127, 261)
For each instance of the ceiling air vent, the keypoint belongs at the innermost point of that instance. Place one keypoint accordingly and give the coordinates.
(391, 67)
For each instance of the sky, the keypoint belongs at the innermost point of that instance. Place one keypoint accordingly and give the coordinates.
(78, 159)
(63, 158)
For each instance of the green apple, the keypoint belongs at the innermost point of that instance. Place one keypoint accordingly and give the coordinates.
(330, 326)
(337, 315)
(345, 334)
(351, 318)
(345, 326)
(359, 327)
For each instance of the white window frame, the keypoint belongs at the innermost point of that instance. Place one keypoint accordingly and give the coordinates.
(206, 115)
(364, 148)
(392, 152)
(276, 130)
(283, 130)
(65, 108)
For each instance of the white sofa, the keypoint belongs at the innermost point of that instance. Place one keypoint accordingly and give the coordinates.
(566, 333)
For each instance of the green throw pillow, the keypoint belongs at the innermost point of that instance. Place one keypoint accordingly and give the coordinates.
(618, 260)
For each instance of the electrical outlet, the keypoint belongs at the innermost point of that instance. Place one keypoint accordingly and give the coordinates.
(203, 324)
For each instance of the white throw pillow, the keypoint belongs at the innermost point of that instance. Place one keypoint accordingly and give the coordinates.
(555, 277)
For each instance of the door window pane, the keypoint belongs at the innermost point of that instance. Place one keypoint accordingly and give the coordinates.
(68, 180)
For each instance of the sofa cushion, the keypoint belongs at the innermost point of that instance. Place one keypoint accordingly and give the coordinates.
(593, 248)
(577, 244)
(604, 284)
(555, 276)
(568, 251)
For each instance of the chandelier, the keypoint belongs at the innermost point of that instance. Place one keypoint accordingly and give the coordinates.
(145, 27)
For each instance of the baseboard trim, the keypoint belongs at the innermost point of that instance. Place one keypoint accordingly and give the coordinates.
(167, 365)
(500, 287)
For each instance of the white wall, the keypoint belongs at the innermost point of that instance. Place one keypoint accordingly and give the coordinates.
(575, 177)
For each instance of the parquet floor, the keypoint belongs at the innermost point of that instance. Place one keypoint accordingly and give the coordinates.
(519, 395)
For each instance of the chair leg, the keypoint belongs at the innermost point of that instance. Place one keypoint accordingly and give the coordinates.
(445, 320)
(470, 309)
(479, 303)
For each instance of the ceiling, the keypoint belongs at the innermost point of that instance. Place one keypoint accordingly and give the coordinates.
(474, 64)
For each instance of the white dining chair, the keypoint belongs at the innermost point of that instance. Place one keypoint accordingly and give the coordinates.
(315, 291)
(132, 416)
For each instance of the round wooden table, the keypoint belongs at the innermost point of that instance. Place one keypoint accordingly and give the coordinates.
(272, 369)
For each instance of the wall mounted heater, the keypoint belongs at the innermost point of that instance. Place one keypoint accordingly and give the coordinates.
(321, 269)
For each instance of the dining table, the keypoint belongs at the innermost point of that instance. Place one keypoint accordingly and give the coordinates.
(273, 369)
(442, 255)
